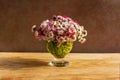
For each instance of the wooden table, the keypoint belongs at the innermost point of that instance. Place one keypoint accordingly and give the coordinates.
(34, 66)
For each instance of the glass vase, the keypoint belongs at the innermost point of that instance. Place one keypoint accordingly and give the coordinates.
(59, 52)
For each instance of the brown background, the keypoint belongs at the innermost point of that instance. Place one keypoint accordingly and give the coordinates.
(101, 18)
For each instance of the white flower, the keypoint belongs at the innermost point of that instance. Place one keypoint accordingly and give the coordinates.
(74, 38)
(44, 23)
(84, 33)
(65, 25)
(59, 16)
(80, 29)
(33, 28)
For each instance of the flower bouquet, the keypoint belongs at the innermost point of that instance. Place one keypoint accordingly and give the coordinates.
(59, 33)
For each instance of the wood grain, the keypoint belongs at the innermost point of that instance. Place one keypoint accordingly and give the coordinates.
(34, 66)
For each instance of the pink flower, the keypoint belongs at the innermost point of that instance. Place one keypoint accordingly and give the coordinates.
(60, 40)
(46, 30)
(71, 22)
(54, 28)
(50, 23)
(38, 36)
(83, 40)
(60, 32)
(54, 17)
(65, 16)
(71, 30)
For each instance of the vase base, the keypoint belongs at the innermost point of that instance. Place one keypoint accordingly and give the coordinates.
(59, 64)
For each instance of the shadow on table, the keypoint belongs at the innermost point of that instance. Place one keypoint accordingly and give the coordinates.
(18, 63)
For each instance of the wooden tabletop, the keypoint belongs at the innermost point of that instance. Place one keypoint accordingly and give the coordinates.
(83, 66)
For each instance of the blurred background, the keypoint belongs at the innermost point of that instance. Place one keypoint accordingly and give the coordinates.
(101, 18)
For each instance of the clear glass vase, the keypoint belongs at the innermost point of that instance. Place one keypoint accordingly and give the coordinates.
(59, 62)
(59, 52)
